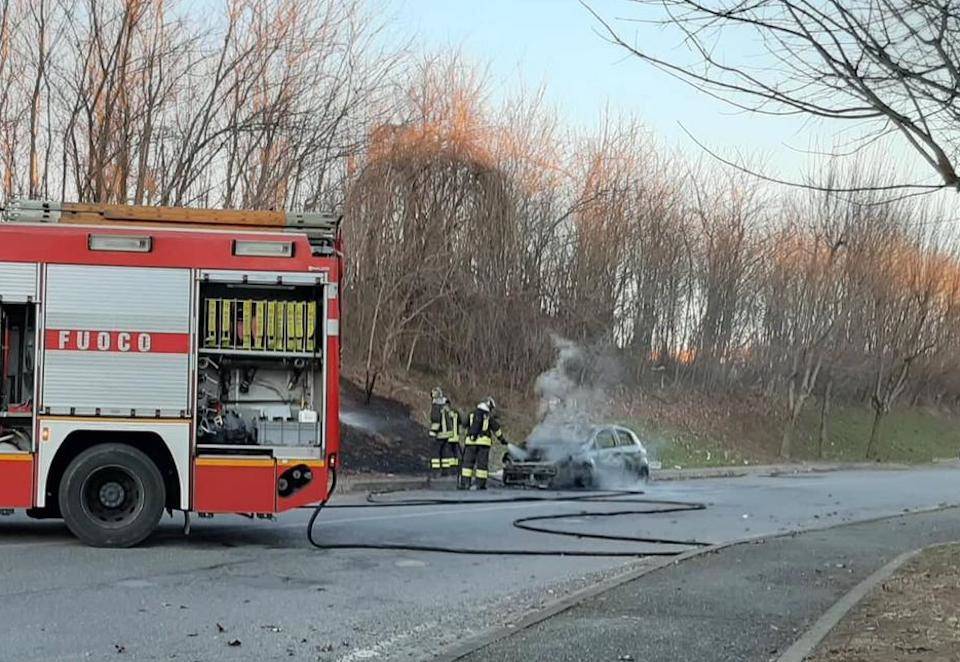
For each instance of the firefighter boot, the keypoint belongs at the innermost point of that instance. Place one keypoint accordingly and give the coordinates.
(464, 483)
(481, 483)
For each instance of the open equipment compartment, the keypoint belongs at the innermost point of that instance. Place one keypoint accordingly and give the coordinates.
(260, 368)
(18, 324)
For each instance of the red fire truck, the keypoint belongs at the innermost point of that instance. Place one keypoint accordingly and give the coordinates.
(165, 358)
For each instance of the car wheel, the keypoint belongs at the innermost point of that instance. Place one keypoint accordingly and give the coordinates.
(112, 495)
(644, 473)
(584, 477)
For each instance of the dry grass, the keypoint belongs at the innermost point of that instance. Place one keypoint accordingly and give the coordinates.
(911, 617)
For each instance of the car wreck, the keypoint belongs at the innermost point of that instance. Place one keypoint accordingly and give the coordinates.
(594, 455)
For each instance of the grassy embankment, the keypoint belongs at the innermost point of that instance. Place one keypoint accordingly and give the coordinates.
(697, 431)
(907, 435)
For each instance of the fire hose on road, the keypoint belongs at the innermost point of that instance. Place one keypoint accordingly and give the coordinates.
(531, 523)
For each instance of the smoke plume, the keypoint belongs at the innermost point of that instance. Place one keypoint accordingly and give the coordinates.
(575, 394)
(572, 396)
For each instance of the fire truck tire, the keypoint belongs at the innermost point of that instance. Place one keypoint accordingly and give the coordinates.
(112, 495)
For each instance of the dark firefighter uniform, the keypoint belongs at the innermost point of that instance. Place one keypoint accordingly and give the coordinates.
(482, 428)
(444, 428)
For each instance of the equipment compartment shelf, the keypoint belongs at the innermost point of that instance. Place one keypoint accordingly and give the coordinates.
(272, 450)
(236, 449)
(260, 353)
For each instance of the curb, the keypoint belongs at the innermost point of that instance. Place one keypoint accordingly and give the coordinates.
(351, 485)
(812, 638)
(359, 483)
(667, 475)
(500, 632)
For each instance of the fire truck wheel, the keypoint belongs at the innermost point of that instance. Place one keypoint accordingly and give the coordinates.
(112, 495)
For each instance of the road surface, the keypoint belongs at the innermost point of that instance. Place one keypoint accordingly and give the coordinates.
(259, 585)
(747, 603)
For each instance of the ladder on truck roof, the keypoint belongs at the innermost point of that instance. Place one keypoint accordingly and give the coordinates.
(322, 229)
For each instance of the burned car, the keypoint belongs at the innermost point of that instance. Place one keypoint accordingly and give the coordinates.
(601, 453)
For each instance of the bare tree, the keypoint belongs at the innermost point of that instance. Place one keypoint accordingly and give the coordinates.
(249, 102)
(890, 65)
(476, 225)
(803, 297)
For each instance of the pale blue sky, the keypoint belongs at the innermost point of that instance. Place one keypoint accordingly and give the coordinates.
(556, 42)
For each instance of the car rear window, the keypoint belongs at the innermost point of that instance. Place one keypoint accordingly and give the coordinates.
(624, 438)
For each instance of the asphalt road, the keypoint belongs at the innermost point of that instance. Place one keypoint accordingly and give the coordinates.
(746, 603)
(260, 586)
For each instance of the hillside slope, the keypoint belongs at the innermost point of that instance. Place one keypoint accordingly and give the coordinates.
(681, 430)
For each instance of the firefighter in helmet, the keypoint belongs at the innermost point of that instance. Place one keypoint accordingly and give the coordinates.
(444, 429)
(483, 426)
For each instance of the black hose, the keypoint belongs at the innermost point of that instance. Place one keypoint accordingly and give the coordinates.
(526, 523)
(320, 506)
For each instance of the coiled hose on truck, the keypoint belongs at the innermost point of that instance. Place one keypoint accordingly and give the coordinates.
(654, 506)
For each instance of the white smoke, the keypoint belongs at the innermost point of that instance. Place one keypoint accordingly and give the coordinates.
(576, 394)
(572, 399)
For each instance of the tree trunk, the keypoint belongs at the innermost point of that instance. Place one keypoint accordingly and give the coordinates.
(34, 165)
(371, 373)
(413, 345)
(786, 440)
(369, 384)
(874, 433)
(795, 406)
(824, 413)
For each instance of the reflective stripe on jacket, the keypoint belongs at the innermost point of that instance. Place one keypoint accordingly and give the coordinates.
(436, 416)
(444, 421)
(482, 429)
(449, 425)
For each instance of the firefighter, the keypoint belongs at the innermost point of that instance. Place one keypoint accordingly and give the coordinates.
(483, 426)
(444, 429)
